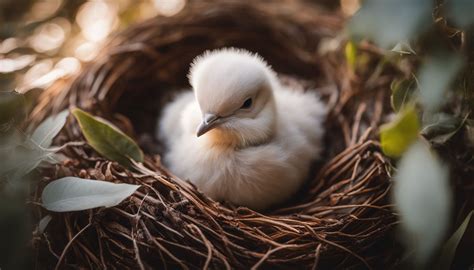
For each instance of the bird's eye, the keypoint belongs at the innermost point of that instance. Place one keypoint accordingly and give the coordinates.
(247, 104)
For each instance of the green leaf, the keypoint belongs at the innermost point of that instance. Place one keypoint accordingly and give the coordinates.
(449, 249)
(75, 194)
(402, 93)
(351, 54)
(43, 135)
(442, 127)
(398, 135)
(21, 156)
(435, 76)
(108, 140)
(43, 223)
(388, 22)
(403, 48)
(423, 198)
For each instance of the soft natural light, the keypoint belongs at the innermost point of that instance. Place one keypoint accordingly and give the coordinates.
(169, 7)
(13, 64)
(37, 71)
(86, 51)
(43, 9)
(47, 37)
(349, 7)
(97, 19)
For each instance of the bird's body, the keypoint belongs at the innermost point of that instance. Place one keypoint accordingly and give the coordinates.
(258, 156)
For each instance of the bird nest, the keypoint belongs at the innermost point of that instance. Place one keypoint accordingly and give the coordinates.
(340, 219)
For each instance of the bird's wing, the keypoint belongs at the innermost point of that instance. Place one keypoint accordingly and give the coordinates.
(300, 122)
(177, 118)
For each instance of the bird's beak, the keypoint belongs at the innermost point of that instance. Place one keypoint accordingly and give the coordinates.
(209, 121)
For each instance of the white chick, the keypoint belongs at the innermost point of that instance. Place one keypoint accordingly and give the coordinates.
(242, 137)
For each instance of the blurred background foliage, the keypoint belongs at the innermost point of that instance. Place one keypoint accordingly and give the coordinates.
(430, 136)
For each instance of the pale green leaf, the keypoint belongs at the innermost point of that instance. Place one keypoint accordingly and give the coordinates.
(21, 156)
(398, 135)
(435, 76)
(388, 22)
(44, 134)
(403, 92)
(441, 127)
(449, 249)
(423, 198)
(403, 48)
(43, 223)
(75, 194)
(107, 140)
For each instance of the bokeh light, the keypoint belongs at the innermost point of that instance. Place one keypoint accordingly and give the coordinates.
(43, 9)
(38, 70)
(56, 36)
(86, 51)
(69, 65)
(97, 19)
(47, 37)
(43, 74)
(169, 7)
(8, 45)
(349, 7)
(13, 64)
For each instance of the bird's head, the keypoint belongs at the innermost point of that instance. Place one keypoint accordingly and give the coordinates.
(234, 90)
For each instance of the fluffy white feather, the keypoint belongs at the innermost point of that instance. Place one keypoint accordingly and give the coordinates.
(255, 156)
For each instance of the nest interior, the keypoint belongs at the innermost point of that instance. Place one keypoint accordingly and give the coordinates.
(341, 219)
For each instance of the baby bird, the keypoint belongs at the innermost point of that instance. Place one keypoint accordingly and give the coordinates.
(241, 136)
